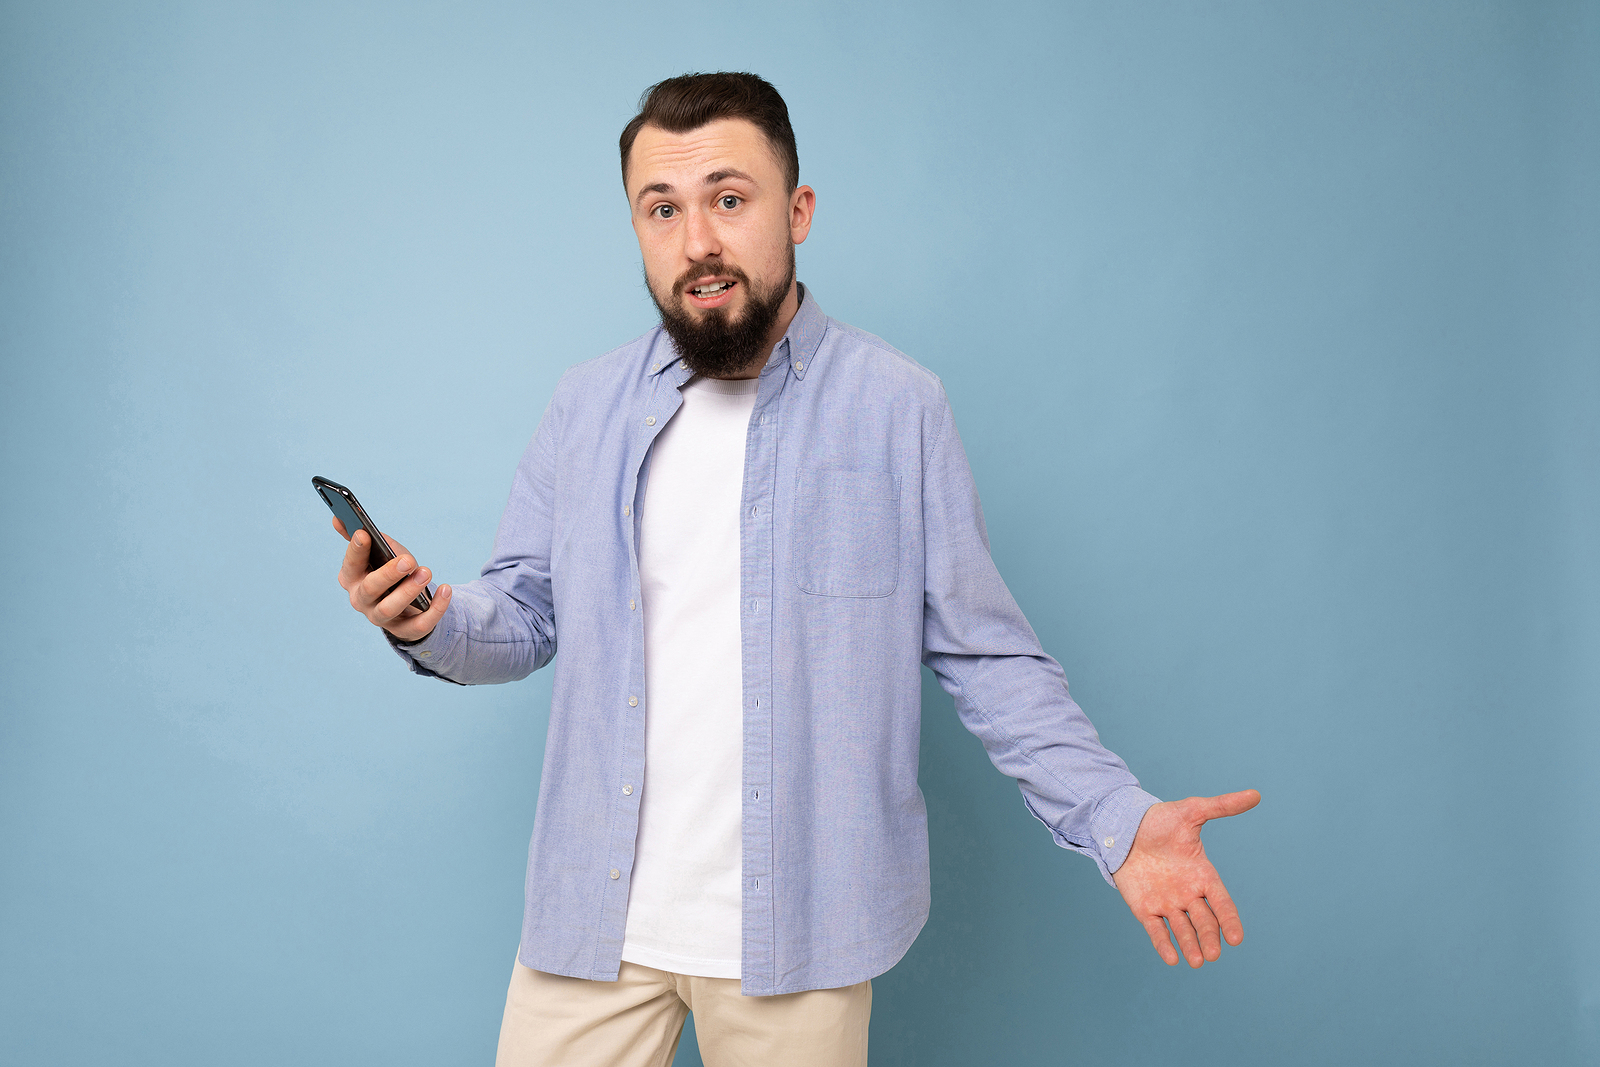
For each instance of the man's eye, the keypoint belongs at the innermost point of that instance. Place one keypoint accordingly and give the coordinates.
(665, 211)
(729, 202)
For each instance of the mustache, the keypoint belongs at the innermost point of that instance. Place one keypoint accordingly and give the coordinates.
(710, 269)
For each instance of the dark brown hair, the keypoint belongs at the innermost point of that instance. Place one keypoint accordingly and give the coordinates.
(689, 101)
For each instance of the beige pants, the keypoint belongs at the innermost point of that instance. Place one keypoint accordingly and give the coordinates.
(555, 1021)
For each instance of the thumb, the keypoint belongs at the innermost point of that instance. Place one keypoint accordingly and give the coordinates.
(1227, 804)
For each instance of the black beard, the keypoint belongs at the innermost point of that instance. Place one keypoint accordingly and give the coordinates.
(716, 346)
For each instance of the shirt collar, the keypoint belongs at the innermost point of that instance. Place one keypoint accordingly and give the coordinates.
(799, 344)
(804, 335)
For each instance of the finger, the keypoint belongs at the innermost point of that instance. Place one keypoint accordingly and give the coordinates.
(1227, 914)
(356, 560)
(1205, 925)
(1227, 804)
(339, 526)
(395, 546)
(1159, 938)
(1188, 942)
(420, 626)
(395, 604)
(371, 589)
(389, 602)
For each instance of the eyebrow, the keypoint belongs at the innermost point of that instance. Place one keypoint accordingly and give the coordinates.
(711, 179)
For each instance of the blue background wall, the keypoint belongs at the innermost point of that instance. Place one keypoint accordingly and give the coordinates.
(1272, 333)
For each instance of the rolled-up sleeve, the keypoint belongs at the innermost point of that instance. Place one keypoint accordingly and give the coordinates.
(1007, 691)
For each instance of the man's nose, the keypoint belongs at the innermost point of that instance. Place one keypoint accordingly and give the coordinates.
(700, 236)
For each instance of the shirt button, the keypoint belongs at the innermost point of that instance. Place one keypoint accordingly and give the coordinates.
(755, 509)
(799, 366)
(627, 790)
(425, 655)
(1110, 841)
(631, 605)
(615, 873)
(627, 509)
(633, 702)
(755, 605)
(649, 420)
(656, 367)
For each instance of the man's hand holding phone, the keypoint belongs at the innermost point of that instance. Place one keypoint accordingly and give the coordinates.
(375, 594)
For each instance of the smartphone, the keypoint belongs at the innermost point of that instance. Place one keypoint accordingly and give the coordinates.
(348, 510)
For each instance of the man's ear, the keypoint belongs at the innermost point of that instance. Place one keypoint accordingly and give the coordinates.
(802, 206)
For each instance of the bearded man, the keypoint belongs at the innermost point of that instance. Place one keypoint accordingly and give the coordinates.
(750, 528)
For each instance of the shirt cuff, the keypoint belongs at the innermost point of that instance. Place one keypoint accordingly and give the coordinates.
(1114, 823)
(420, 656)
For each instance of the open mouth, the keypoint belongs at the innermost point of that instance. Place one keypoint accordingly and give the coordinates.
(711, 293)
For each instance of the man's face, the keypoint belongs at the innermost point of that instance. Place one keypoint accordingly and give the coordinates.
(717, 229)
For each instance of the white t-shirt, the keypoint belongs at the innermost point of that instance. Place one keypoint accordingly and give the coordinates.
(684, 903)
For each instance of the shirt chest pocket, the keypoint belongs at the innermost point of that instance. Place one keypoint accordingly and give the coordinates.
(846, 533)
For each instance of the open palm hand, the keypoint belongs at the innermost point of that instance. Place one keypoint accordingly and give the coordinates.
(1168, 881)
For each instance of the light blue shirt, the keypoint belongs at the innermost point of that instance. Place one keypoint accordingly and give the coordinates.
(863, 555)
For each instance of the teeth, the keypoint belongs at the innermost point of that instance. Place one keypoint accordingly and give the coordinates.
(711, 290)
